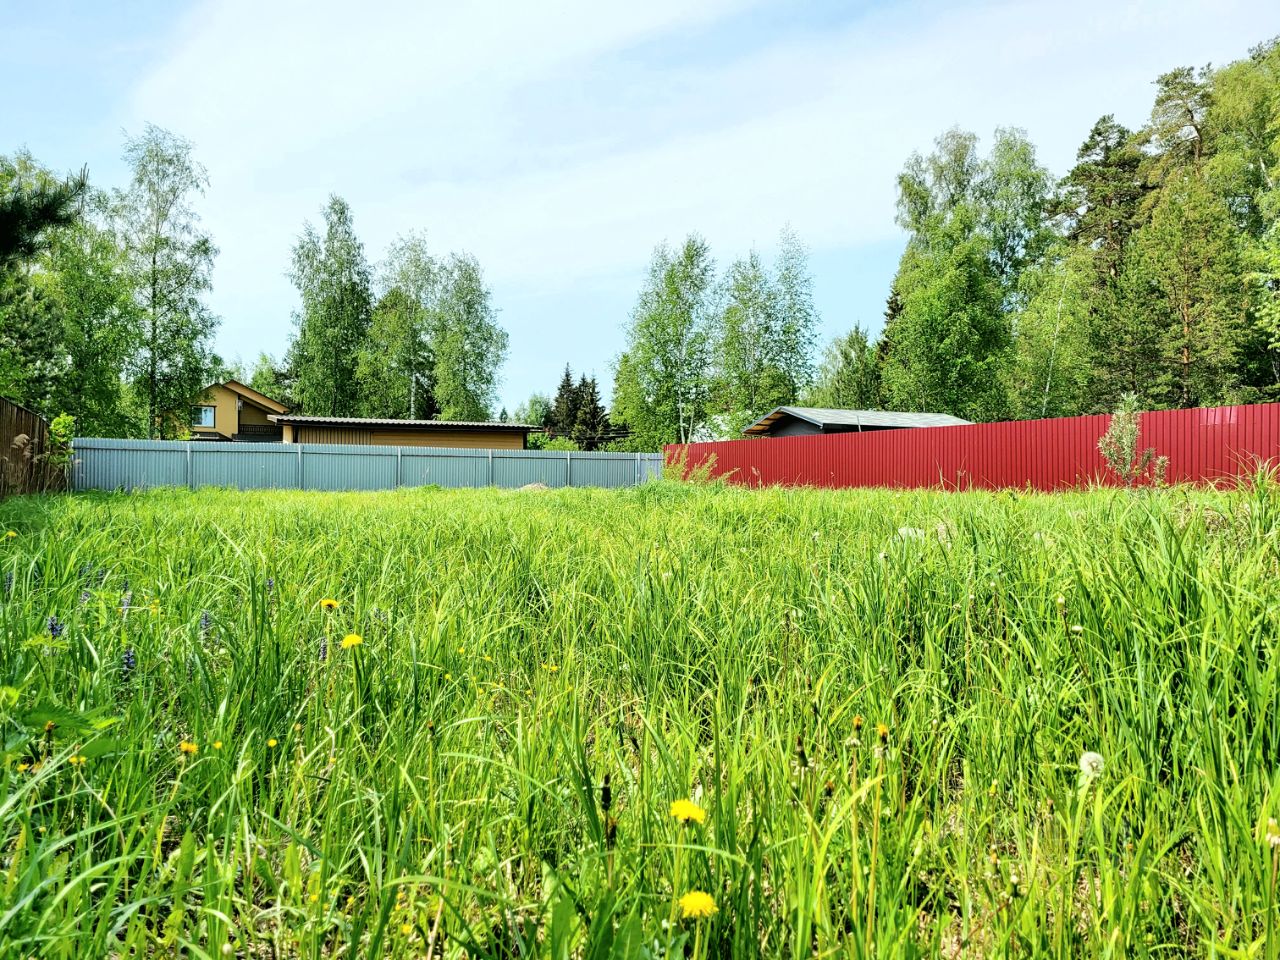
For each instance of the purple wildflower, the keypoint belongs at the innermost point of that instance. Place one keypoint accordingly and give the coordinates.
(55, 627)
(128, 663)
(324, 649)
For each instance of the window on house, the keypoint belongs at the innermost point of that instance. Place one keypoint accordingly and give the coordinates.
(202, 416)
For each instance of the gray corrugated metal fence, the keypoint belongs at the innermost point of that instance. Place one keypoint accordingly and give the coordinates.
(136, 464)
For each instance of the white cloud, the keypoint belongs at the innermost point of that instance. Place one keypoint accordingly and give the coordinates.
(560, 142)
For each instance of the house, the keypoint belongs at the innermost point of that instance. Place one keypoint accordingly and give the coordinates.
(404, 433)
(234, 411)
(801, 421)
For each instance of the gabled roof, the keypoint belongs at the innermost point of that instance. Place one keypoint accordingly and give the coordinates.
(401, 424)
(825, 418)
(252, 395)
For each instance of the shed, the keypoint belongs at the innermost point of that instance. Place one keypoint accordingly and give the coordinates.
(799, 421)
(473, 434)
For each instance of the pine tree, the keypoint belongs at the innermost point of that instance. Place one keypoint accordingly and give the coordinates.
(564, 408)
(591, 425)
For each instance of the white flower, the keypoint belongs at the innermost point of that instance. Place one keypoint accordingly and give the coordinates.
(910, 533)
(1076, 628)
(1273, 832)
(1091, 765)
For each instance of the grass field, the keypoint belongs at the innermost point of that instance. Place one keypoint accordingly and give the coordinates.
(891, 724)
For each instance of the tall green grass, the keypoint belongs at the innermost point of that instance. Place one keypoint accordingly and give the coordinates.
(877, 701)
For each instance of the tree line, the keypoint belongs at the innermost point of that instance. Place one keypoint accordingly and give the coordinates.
(1152, 268)
(104, 313)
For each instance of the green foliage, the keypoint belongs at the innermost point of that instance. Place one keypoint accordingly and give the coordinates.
(1050, 367)
(1184, 281)
(949, 345)
(849, 376)
(270, 380)
(170, 263)
(975, 225)
(439, 789)
(661, 383)
(34, 205)
(333, 282)
(396, 365)
(468, 344)
(1119, 447)
(557, 443)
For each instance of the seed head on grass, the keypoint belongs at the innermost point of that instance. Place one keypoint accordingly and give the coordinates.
(697, 905)
(686, 810)
(1272, 835)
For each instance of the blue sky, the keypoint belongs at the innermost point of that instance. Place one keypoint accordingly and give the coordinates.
(560, 141)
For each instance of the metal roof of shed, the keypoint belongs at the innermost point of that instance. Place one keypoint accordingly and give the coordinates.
(400, 424)
(826, 417)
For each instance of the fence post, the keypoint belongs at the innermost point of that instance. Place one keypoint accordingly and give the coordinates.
(191, 479)
(399, 456)
(639, 472)
(568, 468)
(490, 468)
(299, 483)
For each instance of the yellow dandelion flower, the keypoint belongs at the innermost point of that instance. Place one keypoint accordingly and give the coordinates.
(448, 676)
(406, 928)
(272, 742)
(24, 767)
(11, 534)
(186, 746)
(686, 810)
(882, 731)
(77, 761)
(217, 744)
(352, 640)
(858, 722)
(328, 603)
(697, 904)
(314, 898)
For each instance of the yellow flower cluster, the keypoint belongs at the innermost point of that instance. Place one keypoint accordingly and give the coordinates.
(686, 810)
(696, 905)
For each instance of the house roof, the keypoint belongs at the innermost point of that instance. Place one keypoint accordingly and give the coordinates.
(826, 417)
(253, 396)
(400, 424)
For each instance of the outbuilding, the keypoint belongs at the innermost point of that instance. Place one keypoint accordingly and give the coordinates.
(801, 421)
(362, 431)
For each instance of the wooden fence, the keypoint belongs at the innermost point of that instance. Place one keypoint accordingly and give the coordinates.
(25, 464)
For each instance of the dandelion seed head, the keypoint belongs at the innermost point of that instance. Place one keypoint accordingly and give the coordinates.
(1091, 764)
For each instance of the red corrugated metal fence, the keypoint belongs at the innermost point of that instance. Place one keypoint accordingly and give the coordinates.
(1203, 445)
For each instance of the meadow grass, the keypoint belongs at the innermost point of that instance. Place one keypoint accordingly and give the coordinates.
(891, 724)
